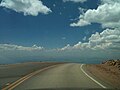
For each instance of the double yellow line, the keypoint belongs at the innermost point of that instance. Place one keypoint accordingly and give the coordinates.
(21, 80)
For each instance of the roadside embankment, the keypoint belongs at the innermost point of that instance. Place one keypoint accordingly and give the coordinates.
(108, 71)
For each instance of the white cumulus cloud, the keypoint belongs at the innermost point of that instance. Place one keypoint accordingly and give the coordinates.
(107, 14)
(28, 7)
(81, 22)
(106, 40)
(66, 47)
(16, 47)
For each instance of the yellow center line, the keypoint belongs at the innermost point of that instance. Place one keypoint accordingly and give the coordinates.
(21, 80)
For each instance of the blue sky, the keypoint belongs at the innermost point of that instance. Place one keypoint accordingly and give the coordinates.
(51, 31)
(63, 30)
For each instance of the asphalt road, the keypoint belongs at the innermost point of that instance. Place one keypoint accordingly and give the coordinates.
(12, 72)
(61, 76)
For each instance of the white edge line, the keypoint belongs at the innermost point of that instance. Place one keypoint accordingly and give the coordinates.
(91, 77)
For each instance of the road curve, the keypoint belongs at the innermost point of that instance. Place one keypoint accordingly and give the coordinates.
(61, 76)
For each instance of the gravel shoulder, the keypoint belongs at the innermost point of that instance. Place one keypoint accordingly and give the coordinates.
(106, 73)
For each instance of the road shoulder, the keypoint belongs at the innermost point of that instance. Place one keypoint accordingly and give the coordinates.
(109, 78)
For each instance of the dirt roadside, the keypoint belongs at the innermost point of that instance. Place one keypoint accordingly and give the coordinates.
(108, 71)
